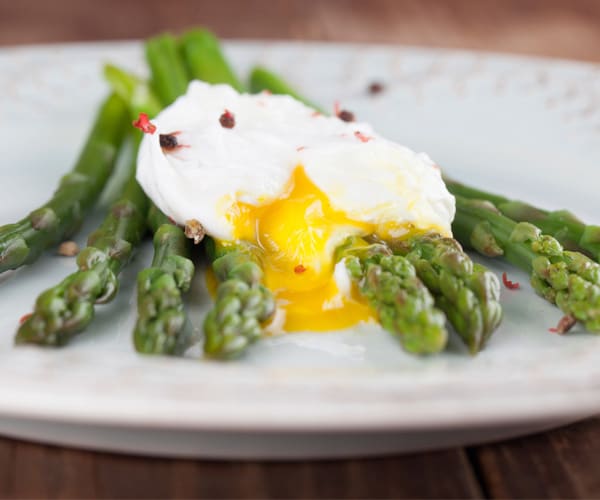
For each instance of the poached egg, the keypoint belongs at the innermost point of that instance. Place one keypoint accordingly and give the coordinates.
(296, 184)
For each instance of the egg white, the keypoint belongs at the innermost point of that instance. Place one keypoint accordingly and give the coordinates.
(364, 175)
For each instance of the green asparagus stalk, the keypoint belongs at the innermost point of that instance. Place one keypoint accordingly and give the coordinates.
(162, 326)
(572, 233)
(262, 79)
(134, 91)
(568, 279)
(23, 242)
(205, 60)
(467, 292)
(390, 284)
(242, 303)
(169, 78)
(67, 309)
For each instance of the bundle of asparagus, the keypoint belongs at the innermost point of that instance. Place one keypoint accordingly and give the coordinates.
(68, 308)
(412, 284)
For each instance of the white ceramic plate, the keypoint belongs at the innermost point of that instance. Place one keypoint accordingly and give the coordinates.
(528, 127)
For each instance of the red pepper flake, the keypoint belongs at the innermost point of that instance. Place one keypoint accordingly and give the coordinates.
(315, 113)
(144, 124)
(300, 148)
(511, 285)
(227, 119)
(299, 269)
(24, 318)
(376, 88)
(362, 137)
(564, 325)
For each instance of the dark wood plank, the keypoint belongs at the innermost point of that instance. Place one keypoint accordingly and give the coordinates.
(557, 464)
(6, 459)
(37, 471)
(550, 27)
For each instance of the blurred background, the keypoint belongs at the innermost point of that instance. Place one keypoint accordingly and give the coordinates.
(559, 28)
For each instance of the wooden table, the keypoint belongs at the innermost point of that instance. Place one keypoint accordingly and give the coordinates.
(561, 463)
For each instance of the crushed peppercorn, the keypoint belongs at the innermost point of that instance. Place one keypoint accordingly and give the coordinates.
(346, 116)
(194, 230)
(68, 249)
(376, 88)
(299, 269)
(227, 119)
(168, 141)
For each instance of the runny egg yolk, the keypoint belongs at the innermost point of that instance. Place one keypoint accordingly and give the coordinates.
(298, 234)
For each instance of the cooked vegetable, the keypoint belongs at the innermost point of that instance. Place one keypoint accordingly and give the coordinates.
(390, 284)
(562, 224)
(568, 279)
(205, 60)
(67, 309)
(262, 79)
(466, 291)
(169, 79)
(242, 303)
(162, 325)
(23, 242)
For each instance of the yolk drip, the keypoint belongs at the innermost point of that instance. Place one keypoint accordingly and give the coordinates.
(298, 234)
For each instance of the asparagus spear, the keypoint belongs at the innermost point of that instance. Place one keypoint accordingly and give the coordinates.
(242, 303)
(563, 225)
(134, 91)
(568, 279)
(262, 79)
(66, 309)
(205, 60)
(162, 326)
(403, 304)
(23, 242)
(466, 292)
(169, 79)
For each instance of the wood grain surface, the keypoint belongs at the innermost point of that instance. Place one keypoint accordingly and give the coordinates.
(557, 464)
